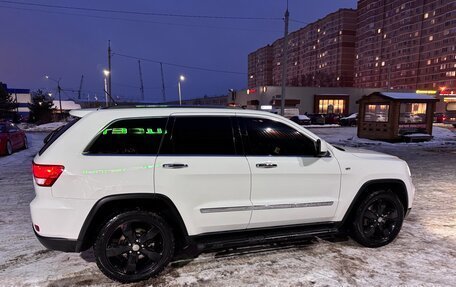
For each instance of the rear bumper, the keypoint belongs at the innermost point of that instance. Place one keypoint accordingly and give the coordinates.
(59, 244)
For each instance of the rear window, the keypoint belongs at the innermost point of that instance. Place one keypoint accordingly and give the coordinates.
(130, 136)
(50, 139)
(2, 128)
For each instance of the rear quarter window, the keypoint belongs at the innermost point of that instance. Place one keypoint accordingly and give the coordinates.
(129, 136)
(50, 139)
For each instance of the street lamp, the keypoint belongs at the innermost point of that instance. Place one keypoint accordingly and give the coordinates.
(59, 89)
(181, 79)
(106, 74)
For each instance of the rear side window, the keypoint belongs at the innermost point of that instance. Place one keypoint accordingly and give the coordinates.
(50, 139)
(263, 137)
(130, 136)
(200, 135)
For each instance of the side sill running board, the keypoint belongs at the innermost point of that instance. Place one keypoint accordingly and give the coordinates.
(238, 239)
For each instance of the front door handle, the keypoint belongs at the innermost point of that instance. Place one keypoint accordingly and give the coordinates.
(175, 165)
(266, 165)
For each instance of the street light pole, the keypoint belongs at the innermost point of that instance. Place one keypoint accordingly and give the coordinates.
(284, 63)
(59, 89)
(106, 74)
(181, 79)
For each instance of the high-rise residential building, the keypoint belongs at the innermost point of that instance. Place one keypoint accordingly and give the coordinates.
(320, 54)
(406, 44)
(260, 67)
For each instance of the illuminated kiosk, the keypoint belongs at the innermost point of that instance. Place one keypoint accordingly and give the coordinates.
(396, 116)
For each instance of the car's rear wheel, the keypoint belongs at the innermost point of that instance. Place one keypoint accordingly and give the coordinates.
(133, 246)
(9, 148)
(378, 219)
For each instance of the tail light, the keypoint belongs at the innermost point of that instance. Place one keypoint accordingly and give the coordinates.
(45, 174)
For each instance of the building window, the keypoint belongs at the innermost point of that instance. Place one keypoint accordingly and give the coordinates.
(426, 15)
(412, 113)
(431, 38)
(376, 113)
(383, 63)
(379, 31)
(326, 106)
(251, 76)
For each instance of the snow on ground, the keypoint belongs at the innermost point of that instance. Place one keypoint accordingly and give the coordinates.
(423, 254)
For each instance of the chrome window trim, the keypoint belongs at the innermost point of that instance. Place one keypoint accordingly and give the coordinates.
(266, 207)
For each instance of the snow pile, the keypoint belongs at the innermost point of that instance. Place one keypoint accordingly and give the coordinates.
(347, 136)
(49, 127)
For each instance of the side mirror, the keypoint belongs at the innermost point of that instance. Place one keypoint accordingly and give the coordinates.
(321, 149)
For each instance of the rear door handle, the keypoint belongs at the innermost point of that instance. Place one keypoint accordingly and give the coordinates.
(266, 165)
(175, 165)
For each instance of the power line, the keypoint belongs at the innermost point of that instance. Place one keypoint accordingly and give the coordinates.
(179, 65)
(139, 20)
(294, 20)
(138, 12)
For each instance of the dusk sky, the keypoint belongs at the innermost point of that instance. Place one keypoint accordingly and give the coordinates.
(67, 43)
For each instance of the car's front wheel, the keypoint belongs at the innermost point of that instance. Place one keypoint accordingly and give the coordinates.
(133, 246)
(378, 219)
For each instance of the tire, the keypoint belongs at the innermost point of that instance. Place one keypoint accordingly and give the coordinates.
(9, 148)
(25, 146)
(144, 245)
(378, 219)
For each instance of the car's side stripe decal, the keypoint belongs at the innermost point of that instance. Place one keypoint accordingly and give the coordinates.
(265, 207)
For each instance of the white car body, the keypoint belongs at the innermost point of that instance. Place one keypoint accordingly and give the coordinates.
(214, 193)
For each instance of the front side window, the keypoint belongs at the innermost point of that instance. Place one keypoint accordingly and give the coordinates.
(200, 135)
(376, 113)
(264, 137)
(130, 136)
(412, 113)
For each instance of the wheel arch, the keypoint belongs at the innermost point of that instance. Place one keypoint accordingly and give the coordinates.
(396, 185)
(106, 206)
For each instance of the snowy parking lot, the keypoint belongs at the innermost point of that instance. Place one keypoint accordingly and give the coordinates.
(423, 254)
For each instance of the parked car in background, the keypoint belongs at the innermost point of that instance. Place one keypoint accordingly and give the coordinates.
(301, 120)
(332, 119)
(11, 138)
(439, 117)
(450, 115)
(317, 119)
(351, 120)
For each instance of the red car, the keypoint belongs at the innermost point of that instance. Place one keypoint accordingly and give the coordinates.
(11, 138)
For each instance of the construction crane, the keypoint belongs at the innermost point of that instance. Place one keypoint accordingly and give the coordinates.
(80, 87)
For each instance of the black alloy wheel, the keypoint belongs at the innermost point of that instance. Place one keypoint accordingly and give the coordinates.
(378, 219)
(133, 246)
(9, 148)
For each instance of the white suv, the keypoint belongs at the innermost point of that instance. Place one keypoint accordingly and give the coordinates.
(141, 185)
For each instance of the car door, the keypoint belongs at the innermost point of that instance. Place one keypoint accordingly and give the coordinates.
(202, 169)
(290, 185)
(14, 136)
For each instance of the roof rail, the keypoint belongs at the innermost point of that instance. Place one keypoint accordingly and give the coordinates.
(169, 106)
